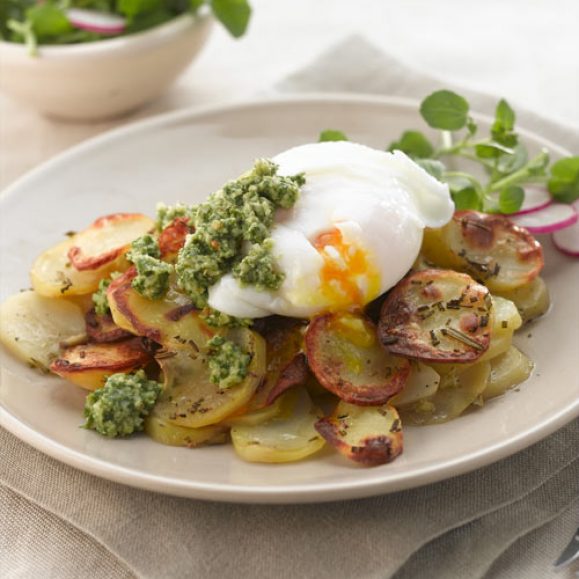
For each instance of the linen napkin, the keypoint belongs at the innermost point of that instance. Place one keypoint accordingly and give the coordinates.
(505, 521)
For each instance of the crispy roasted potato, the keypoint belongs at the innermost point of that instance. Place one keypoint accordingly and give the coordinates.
(507, 370)
(171, 434)
(422, 382)
(107, 240)
(532, 300)
(457, 391)
(32, 326)
(89, 365)
(172, 238)
(103, 328)
(347, 359)
(288, 437)
(490, 248)
(286, 364)
(368, 435)
(171, 321)
(53, 276)
(437, 316)
(190, 399)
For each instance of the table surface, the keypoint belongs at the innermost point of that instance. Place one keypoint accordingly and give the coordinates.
(524, 50)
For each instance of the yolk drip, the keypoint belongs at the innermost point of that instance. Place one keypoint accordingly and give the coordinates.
(348, 278)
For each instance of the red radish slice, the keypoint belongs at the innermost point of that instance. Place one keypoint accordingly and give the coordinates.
(567, 240)
(536, 198)
(552, 218)
(93, 21)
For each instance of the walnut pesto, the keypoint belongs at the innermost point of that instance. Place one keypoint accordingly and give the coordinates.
(228, 363)
(239, 213)
(152, 279)
(120, 406)
(99, 298)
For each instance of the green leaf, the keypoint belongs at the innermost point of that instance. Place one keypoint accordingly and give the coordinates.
(433, 167)
(505, 116)
(233, 14)
(511, 199)
(132, 8)
(466, 198)
(564, 181)
(509, 163)
(445, 110)
(471, 126)
(332, 135)
(196, 4)
(47, 20)
(414, 144)
(492, 150)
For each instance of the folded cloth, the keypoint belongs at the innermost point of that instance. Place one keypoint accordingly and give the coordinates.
(56, 521)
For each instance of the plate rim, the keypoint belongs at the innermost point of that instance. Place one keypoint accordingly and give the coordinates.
(301, 493)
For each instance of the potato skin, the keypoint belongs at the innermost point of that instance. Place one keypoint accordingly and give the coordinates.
(376, 377)
(493, 250)
(89, 365)
(103, 329)
(436, 316)
(367, 435)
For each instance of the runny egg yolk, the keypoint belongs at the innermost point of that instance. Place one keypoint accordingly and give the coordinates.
(348, 278)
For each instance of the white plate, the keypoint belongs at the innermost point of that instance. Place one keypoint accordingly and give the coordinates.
(185, 156)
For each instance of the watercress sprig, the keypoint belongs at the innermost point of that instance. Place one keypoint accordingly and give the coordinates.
(500, 162)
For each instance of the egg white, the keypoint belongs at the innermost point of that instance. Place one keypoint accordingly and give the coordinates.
(380, 203)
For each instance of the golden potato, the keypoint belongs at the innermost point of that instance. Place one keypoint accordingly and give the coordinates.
(507, 370)
(288, 437)
(33, 326)
(436, 315)
(346, 358)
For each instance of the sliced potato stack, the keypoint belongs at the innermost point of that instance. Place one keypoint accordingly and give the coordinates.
(488, 247)
(437, 316)
(75, 266)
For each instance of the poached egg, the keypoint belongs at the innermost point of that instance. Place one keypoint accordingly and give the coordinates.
(353, 234)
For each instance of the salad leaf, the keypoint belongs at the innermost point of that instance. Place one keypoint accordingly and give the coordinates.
(233, 14)
(415, 144)
(332, 135)
(445, 110)
(564, 181)
(511, 199)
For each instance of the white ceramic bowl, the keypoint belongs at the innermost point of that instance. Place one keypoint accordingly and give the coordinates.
(104, 79)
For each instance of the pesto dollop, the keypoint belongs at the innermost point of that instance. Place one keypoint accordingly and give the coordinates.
(152, 279)
(99, 298)
(120, 406)
(240, 213)
(228, 363)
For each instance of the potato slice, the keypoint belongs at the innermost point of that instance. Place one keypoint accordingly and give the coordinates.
(103, 328)
(493, 250)
(32, 326)
(172, 238)
(507, 370)
(53, 276)
(457, 391)
(89, 365)
(532, 300)
(190, 399)
(347, 359)
(171, 434)
(286, 364)
(368, 435)
(289, 437)
(436, 316)
(107, 240)
(171, 321)
(423, 382)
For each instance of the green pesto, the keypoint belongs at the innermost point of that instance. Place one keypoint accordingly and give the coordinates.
(257, 268)
(152, 279)
(99, 298)
(228, 363)
(120, 406)
(217, 319)
(166, 214)
(242, 211)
